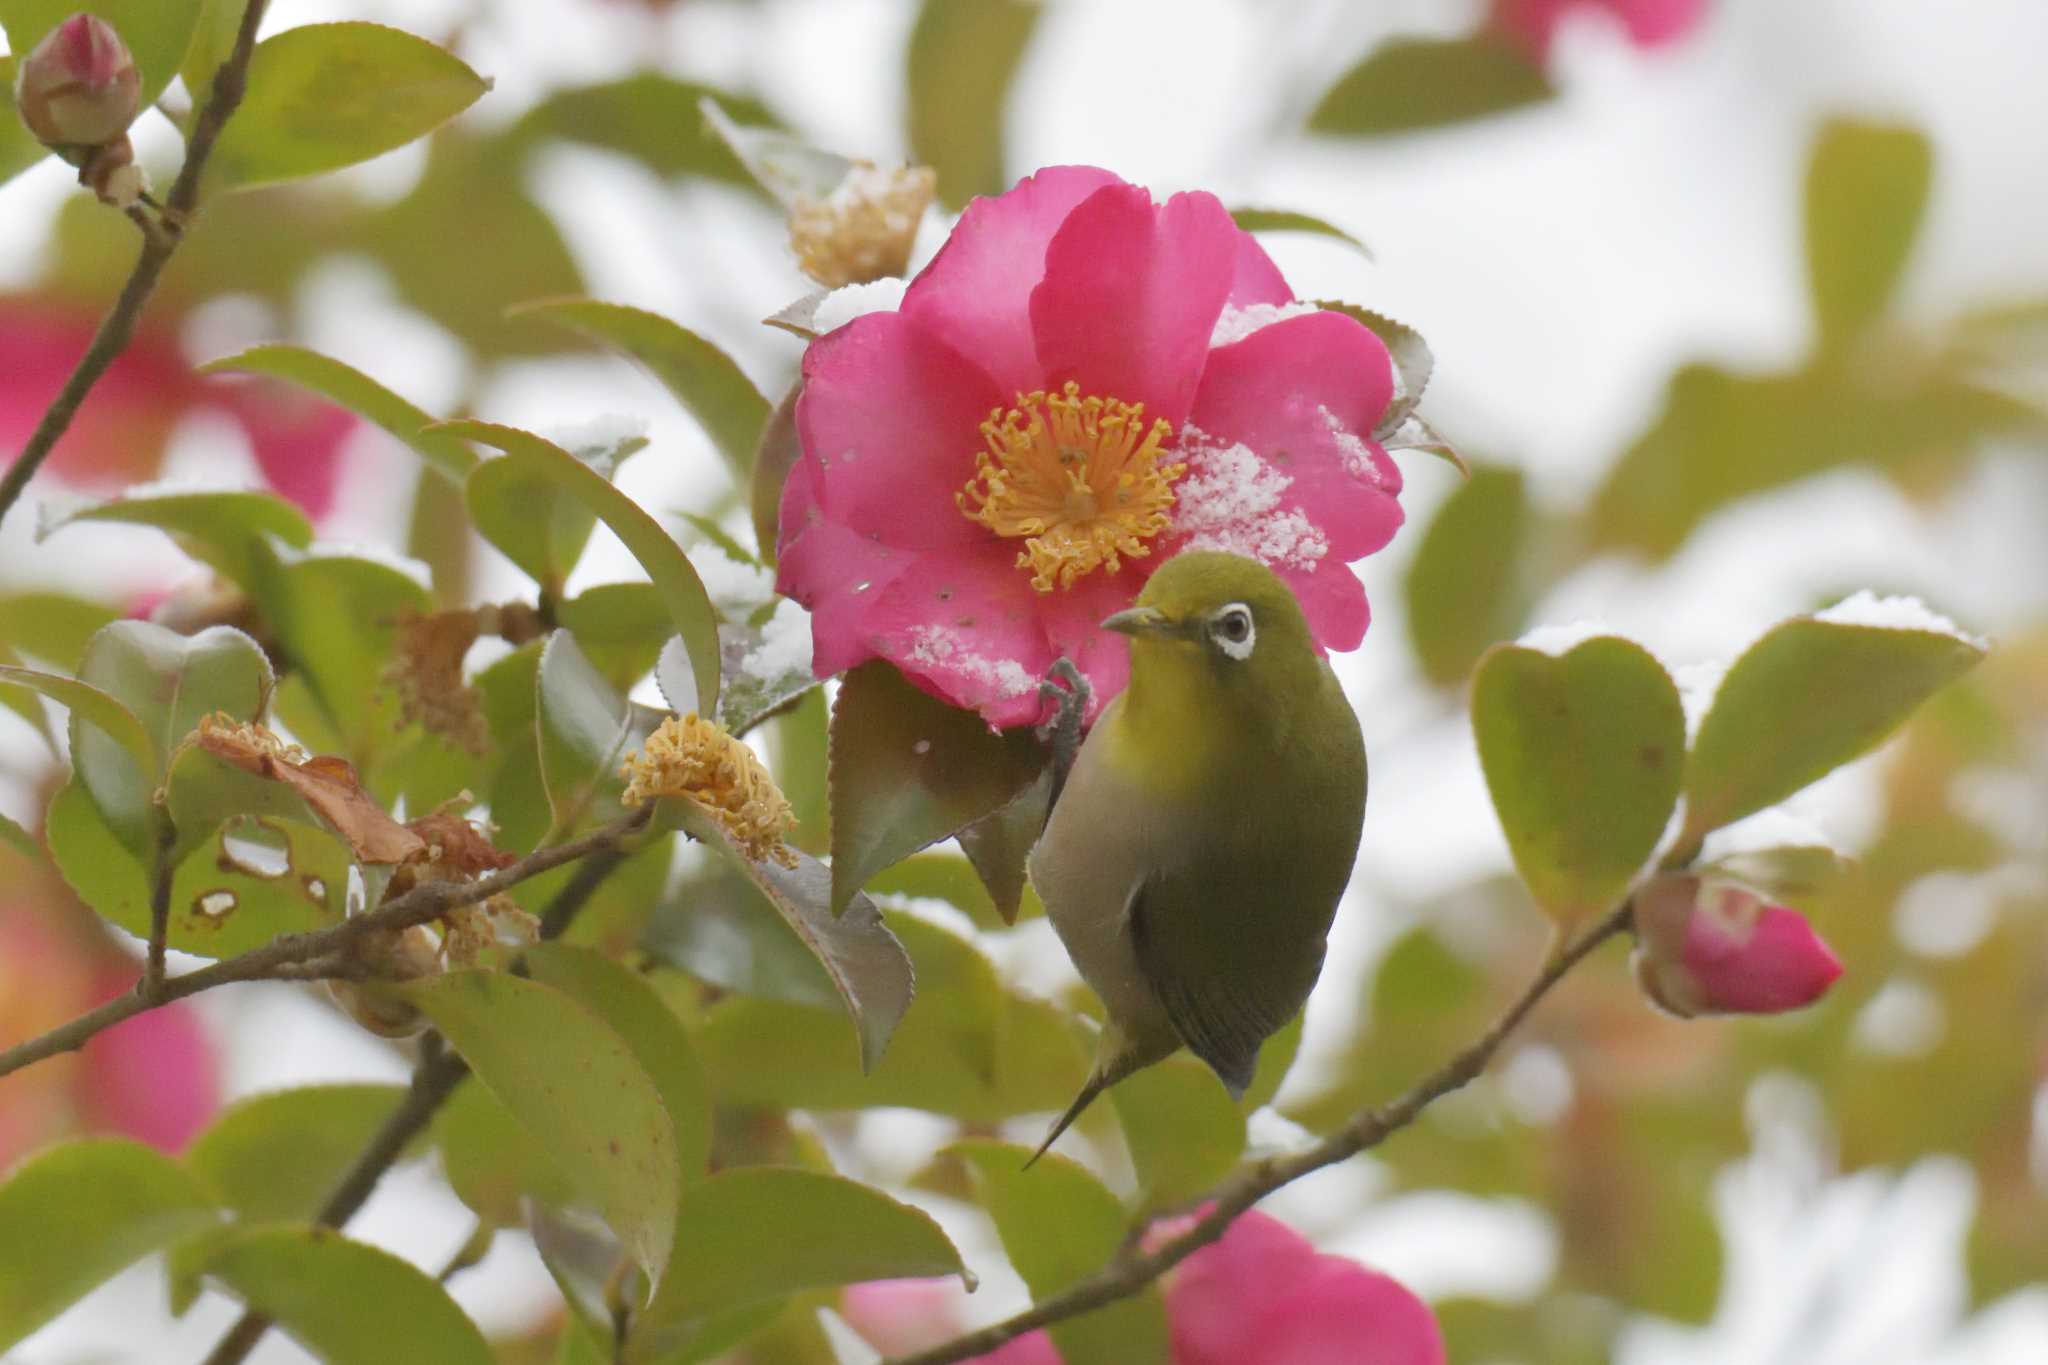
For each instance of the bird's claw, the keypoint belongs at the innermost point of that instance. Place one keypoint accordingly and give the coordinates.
(1068, 689)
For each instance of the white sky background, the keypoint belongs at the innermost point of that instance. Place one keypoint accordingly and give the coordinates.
(1560, 263)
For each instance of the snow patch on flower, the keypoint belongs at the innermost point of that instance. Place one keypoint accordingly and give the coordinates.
(734, 587)
(1235, 324)
(785, 644)
(939, 648)
(1230, 500)
(1353, 448)
(842, 306)
(1558, 641)
(1866, 608)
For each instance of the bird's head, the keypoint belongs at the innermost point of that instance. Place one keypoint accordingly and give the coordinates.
(1222, 616)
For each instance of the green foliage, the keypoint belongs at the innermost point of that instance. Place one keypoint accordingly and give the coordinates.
(1469, 585)
(324, 96)
(1583, 756)
(963, 55)
(1058, 1224)
(227, 530)
(19, 149)
(1183, 1130)
(78, 1213)
(1410, 84)
(276, 1157)
(650, 117)
(907, 770)
(493, 1163)
(1866, 194)
(531, 519)
(1293, 220)
(357, 392)
(586, 730)
(1805, 699)
(316, 1284)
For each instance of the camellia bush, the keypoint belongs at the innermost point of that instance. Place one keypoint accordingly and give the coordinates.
(659, 884)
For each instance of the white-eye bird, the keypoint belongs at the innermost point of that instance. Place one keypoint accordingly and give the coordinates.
(1193, 861)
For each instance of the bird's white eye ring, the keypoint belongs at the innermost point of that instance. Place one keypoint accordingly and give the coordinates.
(1233, 631)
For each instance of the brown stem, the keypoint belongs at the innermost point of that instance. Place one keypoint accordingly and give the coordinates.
(1132, 1270)
(159, 242)
(159, 907)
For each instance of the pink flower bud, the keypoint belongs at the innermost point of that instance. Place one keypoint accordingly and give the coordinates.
(1705, 947)
(79, 87)
(153, 1077)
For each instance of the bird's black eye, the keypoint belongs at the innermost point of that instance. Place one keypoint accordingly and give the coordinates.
(1232, 630)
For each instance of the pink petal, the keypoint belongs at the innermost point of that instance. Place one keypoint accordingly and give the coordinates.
(976, 293)
(1216, 1299)
(890, 420)
(1340, 1313)
(152, 1078)
(1653, 23)
(900, 1317)
(1073, 618)
(297, 441)
(1781, 964)
(834, 572)
(120, 430)
(1257, 279)
(965, 627)
(1131, 294)
(1334, 602)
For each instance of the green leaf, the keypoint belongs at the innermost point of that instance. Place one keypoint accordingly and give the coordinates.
(19, 149)
(90, 705)
(336, 619)
(525, 514)
(757, 1233)
(630, 1006)
(493, 1163)
(689, 607)
(1413, 363)
(1059, 1224)
(1808, 697)
(52, 627)
(168, 682)
(761, 673)
(652, 118)
(1866, 195)
(576, 1086)
(907, 770)
(586, 730)
(1291, 220)
(225, 897)
(226, 530)
(276, 1157)
(962, 57)
(348, 1303)
(13, 836)
(156, 32)
(1409, 84)
(79, 1213)
(621, 628)
(1583, 755)
(867, 966)
(776, 455)
(213, 38)
(324, 96)
(998, 845)
(357, 392)
(1471, 583)
(1183, 1130)
(702, 378)
(951, 878)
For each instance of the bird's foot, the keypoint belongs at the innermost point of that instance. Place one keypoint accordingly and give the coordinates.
(1068, 689)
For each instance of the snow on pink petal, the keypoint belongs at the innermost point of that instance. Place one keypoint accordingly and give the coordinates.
(152, 1078)
(1781, 964)
(1131, 292)
(959, 627)
(976, 293)
(889, 421)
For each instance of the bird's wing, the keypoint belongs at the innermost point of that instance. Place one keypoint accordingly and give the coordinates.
(1203, 989)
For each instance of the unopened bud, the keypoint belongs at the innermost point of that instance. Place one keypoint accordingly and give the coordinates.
(79, 88)
(1714, 947)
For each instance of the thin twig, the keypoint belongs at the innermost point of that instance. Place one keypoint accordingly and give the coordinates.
(159, 242)
(1133, 1269)
(288, 955)
(159, 906)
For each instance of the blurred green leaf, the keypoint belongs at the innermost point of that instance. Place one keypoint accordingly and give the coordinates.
(621, 628)
(226, 530)
(951, 878)
(650, 117)
(1788, 871)
(774, 457)
(1583, 756)
(336, 619)
(702, 378)
(1866, 194)
(156, 32)
(79, 1213)
(907, 770)
(962, 57)
(103, 711)
(527, 515)
(357, 392)
(1805, 699)
(19, 149)
(586, 729)
(747, 1235)
(1058, 1225)
(1292, 220)
(213, 38)
(689, 607)
(788, 168)
(324, 96)
(1183, 1130)
(630, 1006)
(276, 1157)
(576, 1086)
(1276, 1059)
(1470, 583)
(1409, 84)
(492, 1162)
(52, 627)
(13, 836)
(518, 792)
(317, 1284)
(866, 964)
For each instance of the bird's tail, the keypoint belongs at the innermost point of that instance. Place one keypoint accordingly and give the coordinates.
(1097, 1082)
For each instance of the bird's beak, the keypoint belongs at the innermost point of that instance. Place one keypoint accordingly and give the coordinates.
(1137, 621)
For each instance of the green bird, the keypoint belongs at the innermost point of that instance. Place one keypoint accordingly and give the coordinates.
(1194, 858)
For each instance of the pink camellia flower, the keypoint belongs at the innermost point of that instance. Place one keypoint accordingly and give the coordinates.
(1709, 947)
(900, 1317)
(1532, 24)
(1082, 383)
(119, 433)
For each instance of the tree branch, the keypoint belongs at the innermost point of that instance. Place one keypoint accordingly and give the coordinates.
(159, 242)
(1133, 1269)
(159, 904)
(288, 955)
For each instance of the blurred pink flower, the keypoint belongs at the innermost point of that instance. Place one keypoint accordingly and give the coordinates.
(1705, 947)
(1531, 24)
(898, 1317)
(1082, 383)
(119, 433)
(152, 1078)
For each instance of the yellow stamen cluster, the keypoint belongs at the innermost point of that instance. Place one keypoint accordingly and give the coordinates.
(864, 229)
(247, 737)
(692, 758)
(1079, 479)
